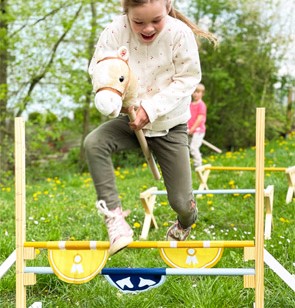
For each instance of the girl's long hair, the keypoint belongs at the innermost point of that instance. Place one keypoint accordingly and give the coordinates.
(126, 4)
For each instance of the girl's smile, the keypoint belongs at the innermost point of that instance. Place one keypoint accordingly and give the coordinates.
(148, 20)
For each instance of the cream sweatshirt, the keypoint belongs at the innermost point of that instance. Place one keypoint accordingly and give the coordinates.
(168, 69)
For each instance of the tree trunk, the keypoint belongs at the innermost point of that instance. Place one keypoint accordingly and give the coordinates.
(88, 97)
(289, 110)
(4, 117)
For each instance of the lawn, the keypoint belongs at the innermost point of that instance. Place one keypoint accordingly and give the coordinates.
(61, 206)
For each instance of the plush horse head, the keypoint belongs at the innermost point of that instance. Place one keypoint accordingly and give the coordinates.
(114, 83)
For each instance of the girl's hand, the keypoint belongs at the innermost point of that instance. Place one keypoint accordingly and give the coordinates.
(124, 110)
(141, 118)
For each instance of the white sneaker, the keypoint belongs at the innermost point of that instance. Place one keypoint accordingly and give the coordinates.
(120, 233)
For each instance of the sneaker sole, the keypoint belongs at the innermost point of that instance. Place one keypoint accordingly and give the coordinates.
(120, 244)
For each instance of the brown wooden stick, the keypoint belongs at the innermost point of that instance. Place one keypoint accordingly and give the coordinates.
(145, 149)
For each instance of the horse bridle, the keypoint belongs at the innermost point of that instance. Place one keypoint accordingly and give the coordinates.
(121, 94)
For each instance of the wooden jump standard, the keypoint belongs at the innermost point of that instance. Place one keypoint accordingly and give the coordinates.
(204, 171)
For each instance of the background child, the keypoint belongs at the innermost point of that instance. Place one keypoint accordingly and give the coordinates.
(196, 124)
(164, 57)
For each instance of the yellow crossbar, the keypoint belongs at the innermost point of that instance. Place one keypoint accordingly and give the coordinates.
(278, 169)
(86, 245)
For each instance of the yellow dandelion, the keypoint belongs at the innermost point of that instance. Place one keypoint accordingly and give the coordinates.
(247, 196)
(236, 195)
(144, 165)
(193, 226)
(210, 196)
(231, 182)
(209, 202)
(46, 192)
(164, 203)
(165, 224)
(37, 251)
(136, 225)
(284, 220)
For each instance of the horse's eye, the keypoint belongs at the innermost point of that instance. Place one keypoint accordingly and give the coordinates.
(121, 79)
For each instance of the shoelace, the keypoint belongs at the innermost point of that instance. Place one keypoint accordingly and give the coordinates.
(102, 207)
(113, 220)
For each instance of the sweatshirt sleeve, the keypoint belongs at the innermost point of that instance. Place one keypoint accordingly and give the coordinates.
(187, 75)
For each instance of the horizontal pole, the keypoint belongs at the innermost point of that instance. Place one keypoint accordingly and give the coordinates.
(88, 245)
(159, 271)
(212, 192)
(224, 168)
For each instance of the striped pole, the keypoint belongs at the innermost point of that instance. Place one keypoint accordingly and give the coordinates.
(160, 271)
(88, 245)
(213, 191)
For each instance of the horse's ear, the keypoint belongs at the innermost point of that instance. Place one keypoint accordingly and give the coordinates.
(123, 53)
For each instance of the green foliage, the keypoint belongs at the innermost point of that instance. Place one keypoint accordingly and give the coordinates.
(240, 74)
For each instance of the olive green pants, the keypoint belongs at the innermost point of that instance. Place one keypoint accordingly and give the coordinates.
(171, 152)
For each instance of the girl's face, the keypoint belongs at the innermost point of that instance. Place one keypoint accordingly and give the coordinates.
(198, 94)
(148, 20)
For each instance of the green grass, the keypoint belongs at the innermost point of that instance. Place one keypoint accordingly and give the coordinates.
(61, 207)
